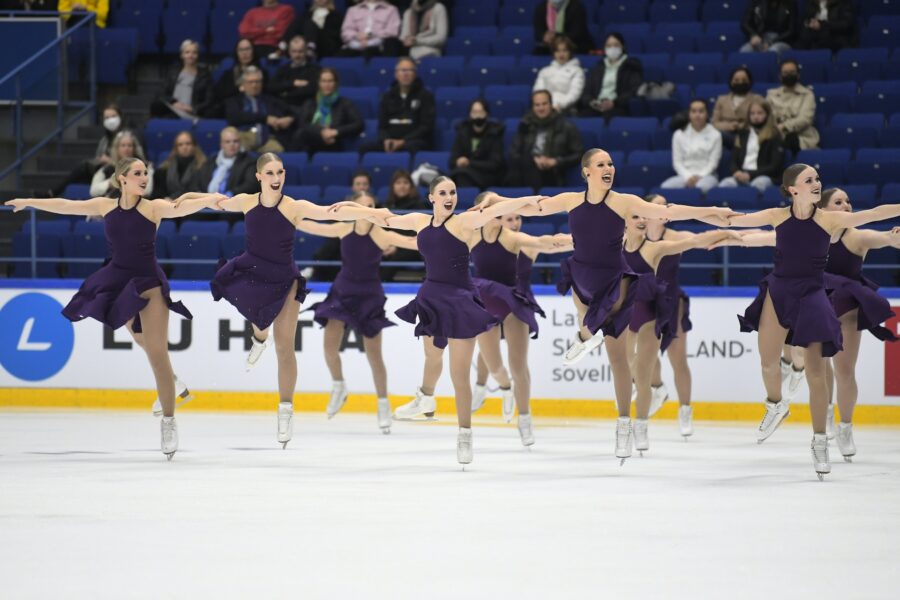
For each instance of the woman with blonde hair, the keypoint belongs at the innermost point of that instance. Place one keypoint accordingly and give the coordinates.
(125, 145)
(758, 153)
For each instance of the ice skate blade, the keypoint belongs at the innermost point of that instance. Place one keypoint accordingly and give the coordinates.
(685, 437)
(170, 456)
(848, 459)
(386, 430)
(418, 419)
(821, 476)
(622, 461)
(284, 445)
(641, 452)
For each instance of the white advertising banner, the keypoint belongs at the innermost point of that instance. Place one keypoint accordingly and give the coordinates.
(40, 348)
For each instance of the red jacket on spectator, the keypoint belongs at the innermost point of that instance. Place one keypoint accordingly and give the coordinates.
(255, 24)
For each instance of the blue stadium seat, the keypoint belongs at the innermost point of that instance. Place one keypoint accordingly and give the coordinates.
(453, 102)
(180, 23)
(182, 246)
(160, 134)
(692, 74)
(467, 46)
(507, 101)
(223, 24)
(875, 166)
(465, 197)
(877, 101)
(313, 193)
(351, 70)
(335, 193)
(630, 31)
(881, 9)
(763, 65)
(440, 159)
(880, 36)
(293, 164)
(862, 196)
(890, 193)
(239, 227)
(145, 17)
(48, 245)
(77, 191)
(833, 98)
(624, 11)
(433, 77)
(652, 157)
(487, 74)
(744, 198)
(191, 227)
(832, 161)
(381, 165)
(325, 175)
(728, 28)
(668, 11)
(722, 10)
(858, 64)
(84, 245)
(305, 246)
(772, 197)
(487, 32)
(233, 245)
(641, 175)
(116, 50)
(814, 64)
(515, 14)
(364, 98)
(207, 132)
(710, 91)
(647, 124)
(627, 140)
(471, 15)
(834, 136)
(671, 42)
(854, 120)
(369, 133)
(688, 196)
(538, 228)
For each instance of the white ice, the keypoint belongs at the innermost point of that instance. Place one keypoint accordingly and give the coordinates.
(89, 508)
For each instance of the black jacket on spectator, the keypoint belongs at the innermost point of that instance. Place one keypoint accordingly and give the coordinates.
(776, 16)
(486, 162)
(226, 87)
(344, 117)
(575, 27)
(628, 80)
(563, 143)
(202, 98)
(282, 83)
(236, 114)
(770, 161)
(410, 118)
(839, 31)
(180, 176)
(327, 40)
(241, 178)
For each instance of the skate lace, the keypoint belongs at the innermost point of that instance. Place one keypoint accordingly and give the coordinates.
(820, 451)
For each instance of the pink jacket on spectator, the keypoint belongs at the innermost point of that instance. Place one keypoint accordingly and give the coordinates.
(255, 22)
(382, 21)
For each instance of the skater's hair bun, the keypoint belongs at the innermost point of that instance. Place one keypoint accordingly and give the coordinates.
(436, 182)
(121, 168)
(265, 159)
(651, 197)
(790, 176)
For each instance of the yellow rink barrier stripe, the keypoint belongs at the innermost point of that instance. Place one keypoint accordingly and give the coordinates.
(315, 402)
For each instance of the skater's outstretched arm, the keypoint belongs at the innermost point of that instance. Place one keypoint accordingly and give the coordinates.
(543, 243)
(347, 210)
(873, 240)
(186, 204)
(95, 207)
(547, 205)
(843, 220)
(699, 240)
(239, 203)
(634, 205)
(769, 216)
(329, 230)
(748, 239)
(391, 238)
(476, 219)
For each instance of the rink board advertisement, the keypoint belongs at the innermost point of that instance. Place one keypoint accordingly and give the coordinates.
(41, 349)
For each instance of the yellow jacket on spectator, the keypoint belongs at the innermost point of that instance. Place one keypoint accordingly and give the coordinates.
(98, 7)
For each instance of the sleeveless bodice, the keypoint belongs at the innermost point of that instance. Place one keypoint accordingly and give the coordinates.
(801, 248)
(597, 233)
(361, 257)
(843, 262)
(635, 261)
(131, 238)
(446, 257)
(493, 261)
(270, 235)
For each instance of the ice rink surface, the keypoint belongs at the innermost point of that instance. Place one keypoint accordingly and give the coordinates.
(89, 508)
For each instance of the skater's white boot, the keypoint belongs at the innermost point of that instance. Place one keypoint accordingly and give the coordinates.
(658, 396)
(829, 422)
(686, 421)
(285, 423)
(624, 439)
(338, 398)
(508, 404)
(421, 406)
(464, 446)
(792, 386)
(579, 349)
(525, 430)
(168, 436)
(776, 412)
(641, 440)
(479, 393)
(182, 393)
(256, 351)
(820, 455)
(384, 415)
(785, 371)
(845, 441)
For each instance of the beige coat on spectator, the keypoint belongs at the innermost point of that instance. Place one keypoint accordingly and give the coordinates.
(795, 110)
(725, 115)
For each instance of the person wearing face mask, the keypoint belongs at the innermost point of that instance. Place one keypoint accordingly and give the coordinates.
(612, 82)
(476, 159)
(770, 25)
(545, 145)
(188, 90)
(328, 119)
(564, 77)
(794, 107)
(424, 28)
(561, 17)
(758, 155)
(82, 174)
(696, 151)
(829, 24)
(730, 111)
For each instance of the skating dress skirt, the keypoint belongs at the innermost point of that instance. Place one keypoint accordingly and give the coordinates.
(667, 272)
(523, 282)
(652, 301)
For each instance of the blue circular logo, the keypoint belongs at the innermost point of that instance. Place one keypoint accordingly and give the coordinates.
(36, 341)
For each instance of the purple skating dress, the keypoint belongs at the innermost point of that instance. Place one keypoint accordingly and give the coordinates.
(356, 297)
(496, 279)
(596, 268)
(523, 281)
(667, 271)
(258, 281)
(447, 304)
(112, 295)
(797, 287)
(849, 289)
(652, 301)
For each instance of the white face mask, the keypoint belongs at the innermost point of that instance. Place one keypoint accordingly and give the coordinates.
(112, 123)
(613, 52)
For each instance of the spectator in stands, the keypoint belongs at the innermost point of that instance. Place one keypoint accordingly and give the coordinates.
(180, 172)
(758, 155)
(696, 151)
(327, 120)
(371, 28)
(188, 90)
(227, 86)
(476, 159)
(124, 145)
(82, 174)
(295, 82)
(320, 26)
(402, 193)
(406, 114)
(331, 247)
(730, 111)
(770, 25)
(100, 8)
(829, 24)
(231, 171)
(564, 77)
(561, 17)
(424, 28)
(612, 82)
(265, 25)
(545, 145)
(266, 123)
(360, 182)
(794, 107)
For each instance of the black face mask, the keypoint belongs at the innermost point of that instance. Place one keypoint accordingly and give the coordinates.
(740, 89)
(479, 122)
(790, 79)
(757, 126)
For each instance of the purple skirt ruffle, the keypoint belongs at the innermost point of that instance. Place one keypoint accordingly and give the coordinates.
(256, 287)
(671, 330)
(502, 300)
(802, 307)
(652, 302)
(598, 289)
(847, 294)
(112, 296)
(445, 311)
(359, 304)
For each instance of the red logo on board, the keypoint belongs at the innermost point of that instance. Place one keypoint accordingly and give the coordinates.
(892, 358)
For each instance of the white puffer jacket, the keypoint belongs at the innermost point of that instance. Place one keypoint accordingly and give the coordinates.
(564, 82)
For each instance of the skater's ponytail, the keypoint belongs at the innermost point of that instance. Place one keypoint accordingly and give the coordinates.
(121, 168)
(790, 177)
(265, 159)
